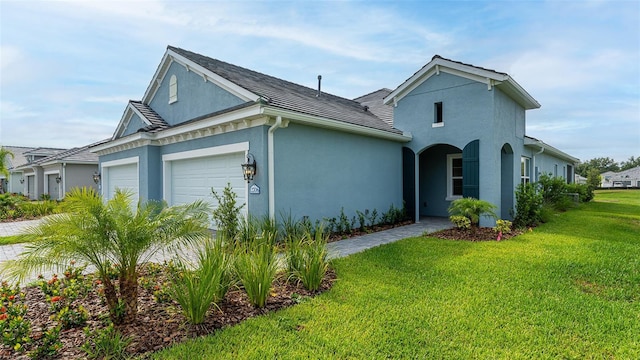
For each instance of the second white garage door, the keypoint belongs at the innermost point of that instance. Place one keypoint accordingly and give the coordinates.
(193, 179)
(123, 177)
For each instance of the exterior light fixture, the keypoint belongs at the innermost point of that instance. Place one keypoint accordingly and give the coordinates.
(249, 168)
(96, 177)
(58, 179)
(21, 180)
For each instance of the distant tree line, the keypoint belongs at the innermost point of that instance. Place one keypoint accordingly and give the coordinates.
(604, 164)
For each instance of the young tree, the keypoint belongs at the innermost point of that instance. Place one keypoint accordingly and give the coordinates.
(103, 234)
(4, 155)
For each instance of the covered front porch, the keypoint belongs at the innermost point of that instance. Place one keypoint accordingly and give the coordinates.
(441, 173)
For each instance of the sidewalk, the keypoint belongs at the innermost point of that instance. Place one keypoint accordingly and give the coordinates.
(336, 249)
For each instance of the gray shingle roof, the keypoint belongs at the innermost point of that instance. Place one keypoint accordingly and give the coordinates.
(18, 156)
(289, 96)
(78, 154)
(374, 101)
(157, 122)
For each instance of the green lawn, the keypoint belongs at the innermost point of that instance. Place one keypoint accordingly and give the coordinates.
(569, 289)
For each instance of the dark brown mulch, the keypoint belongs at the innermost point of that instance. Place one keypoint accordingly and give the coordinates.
(158, 325)
(474, 234)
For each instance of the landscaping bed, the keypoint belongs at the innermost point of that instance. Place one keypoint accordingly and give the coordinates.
(159, 322)
(475, 234)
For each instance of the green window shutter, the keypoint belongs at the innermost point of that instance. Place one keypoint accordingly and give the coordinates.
(471, 170)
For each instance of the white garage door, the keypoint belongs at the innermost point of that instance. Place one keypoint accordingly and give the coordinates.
(192, 179)
(122, 177)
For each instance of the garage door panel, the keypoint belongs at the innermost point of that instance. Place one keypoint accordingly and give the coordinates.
(193, 179)
(124, 177)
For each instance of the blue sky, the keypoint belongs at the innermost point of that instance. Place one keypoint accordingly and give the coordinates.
(69, 68)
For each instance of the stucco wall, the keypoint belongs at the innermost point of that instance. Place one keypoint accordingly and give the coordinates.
(79, 175)
(470, 111)
(134, 125)
(319, 171)
(195, 97)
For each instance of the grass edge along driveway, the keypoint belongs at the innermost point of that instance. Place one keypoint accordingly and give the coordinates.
(569, 289)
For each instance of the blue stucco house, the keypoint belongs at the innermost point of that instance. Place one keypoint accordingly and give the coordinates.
(450, 130)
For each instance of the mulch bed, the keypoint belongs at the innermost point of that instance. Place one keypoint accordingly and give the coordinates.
(158, 325)
(474, 234)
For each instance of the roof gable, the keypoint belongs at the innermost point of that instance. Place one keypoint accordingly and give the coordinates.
(272, 91)
(487, 76)
(154, 121)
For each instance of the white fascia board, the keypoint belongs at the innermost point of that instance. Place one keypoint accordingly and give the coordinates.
(318, 121)
(528, 102)
(206, 152)
(118, 162)
(142, 117)
(139, 139)
(124, 121)
(548, 149)
(207, 75)
(121, 141)
(71, 162)
(218, 120)
(488, 77)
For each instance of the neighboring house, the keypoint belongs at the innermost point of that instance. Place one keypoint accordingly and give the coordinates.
(52, 171)
(451, 130)
(13, 184)
(623, 179)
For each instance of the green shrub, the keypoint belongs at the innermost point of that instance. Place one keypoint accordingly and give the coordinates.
(553, 189)
(227, 214)
(472, 209)
(107, 343)
(564, 203)
(256, 265)
(48, 345)
(528, 206)
(502, 226)
(461, 222)
(307, 258)
(196, 289)
(584, 191)
(15, 328)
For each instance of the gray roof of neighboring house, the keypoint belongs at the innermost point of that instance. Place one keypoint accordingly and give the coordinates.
(74, 155)
(21, 153)
(18, 156)
(633, 173)
(289, 96)
(157, 122)
(375, 102)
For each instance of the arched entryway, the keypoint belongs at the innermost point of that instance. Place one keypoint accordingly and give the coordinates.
(506, 182)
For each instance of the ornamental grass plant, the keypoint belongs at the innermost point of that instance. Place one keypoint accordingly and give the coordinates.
(256, 266)
(307, 258)
(196, 286)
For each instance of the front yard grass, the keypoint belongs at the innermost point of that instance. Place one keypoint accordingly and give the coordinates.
(568, 289)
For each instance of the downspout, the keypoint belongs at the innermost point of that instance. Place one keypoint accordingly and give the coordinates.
(64, 182)
(271, 166)
(535, 175)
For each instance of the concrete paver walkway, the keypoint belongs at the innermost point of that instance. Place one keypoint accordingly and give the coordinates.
(335, 249)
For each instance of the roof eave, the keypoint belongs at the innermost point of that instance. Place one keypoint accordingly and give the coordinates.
(532, 142)
(323, 122)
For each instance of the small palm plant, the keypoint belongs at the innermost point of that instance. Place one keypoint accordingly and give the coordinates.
(472, 209)
(100, 234)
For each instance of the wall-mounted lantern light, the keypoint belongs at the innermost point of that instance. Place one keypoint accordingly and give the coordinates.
(21, 180)
(249, 168)
(58, 179)
(96, 177)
